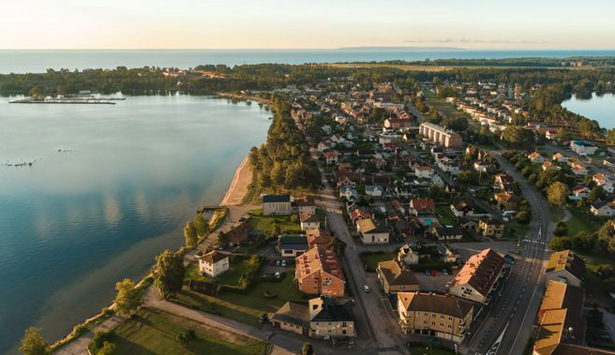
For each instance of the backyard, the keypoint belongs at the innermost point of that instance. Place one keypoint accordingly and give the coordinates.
(155, 332)
(245, 307)
(230, 277)
(267, 224)
(372, 258)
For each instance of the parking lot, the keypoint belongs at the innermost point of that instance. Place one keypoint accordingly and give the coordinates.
(433, 283)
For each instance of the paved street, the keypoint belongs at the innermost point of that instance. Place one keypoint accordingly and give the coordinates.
(508, 321)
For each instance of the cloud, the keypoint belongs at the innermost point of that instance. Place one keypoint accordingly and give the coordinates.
(474, 41)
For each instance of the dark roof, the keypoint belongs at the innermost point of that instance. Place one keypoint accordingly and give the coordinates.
(395, 274)
(294, 242)
(447, 230)
(435, 303)
(293, 313)
(276, 198)
(213, 257)
(333, 312)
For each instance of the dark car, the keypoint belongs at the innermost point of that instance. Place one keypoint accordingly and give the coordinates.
(263, 318)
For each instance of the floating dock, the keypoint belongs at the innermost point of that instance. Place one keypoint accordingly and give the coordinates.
(70, 100)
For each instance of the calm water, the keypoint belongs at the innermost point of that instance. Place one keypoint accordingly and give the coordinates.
(38, 61)
(77, 221)
(599, 108)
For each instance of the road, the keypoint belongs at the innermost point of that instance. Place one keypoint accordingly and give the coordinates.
(508, 322)
(375, 316)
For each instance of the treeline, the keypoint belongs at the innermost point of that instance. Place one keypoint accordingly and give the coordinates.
(283, 162)
(517, 62)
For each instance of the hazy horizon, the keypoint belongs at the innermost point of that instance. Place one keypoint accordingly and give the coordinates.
(318, 24)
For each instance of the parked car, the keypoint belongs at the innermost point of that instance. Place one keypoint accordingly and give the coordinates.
(263, 318)
(509, 258)
(271, 262)
(366, 288)
(444, 272)
(284, 263)
(278, 262)
(433, 273)
(427, 273)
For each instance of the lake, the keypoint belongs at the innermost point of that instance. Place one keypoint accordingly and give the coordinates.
(110, 187)
(38, 61)
(599, 108)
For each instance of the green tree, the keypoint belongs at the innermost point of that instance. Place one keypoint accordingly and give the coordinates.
(561, 230)
(596, 194)
(223, 239)
(560, 243)
(201, 225)
(337, 246)
(584, 241)
(557, 193)
(168, 273)
(191, 238)
(186, 336)
(33, 343)
(107, 349)
(307, 349)
(128, 298)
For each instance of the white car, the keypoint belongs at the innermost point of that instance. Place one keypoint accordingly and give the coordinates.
(366, 288)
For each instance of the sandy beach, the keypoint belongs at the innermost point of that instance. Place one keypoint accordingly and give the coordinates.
(239, 185)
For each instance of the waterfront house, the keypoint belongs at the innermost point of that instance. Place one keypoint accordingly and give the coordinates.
(213, 263)
(277, 205)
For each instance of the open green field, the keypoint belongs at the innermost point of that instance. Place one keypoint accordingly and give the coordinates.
(440, 105)
(266, 224)
(155, 332)
(581, 221)
(372, 258)
(230, 277)
(245, 308)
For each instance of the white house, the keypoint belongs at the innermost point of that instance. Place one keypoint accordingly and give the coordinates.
(309, 221)
(331, 157)
(407, 256)
(583, 148)
(374, 191)
(602, 209)
(370, 234)
(536, 158)
(579, 192)
(213, 263)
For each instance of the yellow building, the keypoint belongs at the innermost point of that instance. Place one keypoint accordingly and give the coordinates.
(430, 314)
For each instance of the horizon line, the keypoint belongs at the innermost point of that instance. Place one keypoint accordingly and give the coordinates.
(529, 49)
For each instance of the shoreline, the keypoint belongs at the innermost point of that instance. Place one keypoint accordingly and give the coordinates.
(238, 188)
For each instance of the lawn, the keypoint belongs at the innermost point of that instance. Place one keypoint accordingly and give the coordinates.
(445, 215)
(155, 332)
(518, 230)
(266, 224)
(581, 221)
(245, 308)
(372, 258)
(230, 277)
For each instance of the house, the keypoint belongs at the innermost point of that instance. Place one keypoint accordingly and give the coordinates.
(319, 236)
(577, 168)
(560, 158)
(309, 221)
(349, 193)
(277, 205)
(431, 314)
(291, 246)
(407, 256)
(446, 254)
(602, 209)
(370, 233)
(583, 148)
(304, 206)
(357, 214)
(490, 227)
(237, 233)
(331, 157)
(507, 201)
(374, 191)
(461, 209)
(565, 266)
(447, 233)
(477, 277)
(319, 272)
(323, 146)
(422, 206)
(213, 263)
(423, 171)
(321, 317)
(439, 135)
(536, 158)
(606, 182)
(579, 192)
(394, 277)
(503, 183)
(561, 327)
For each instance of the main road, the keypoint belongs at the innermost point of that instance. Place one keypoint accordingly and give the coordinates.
(508, 323)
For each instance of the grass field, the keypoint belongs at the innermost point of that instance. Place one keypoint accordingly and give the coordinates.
(155, 332)
(581, 221)
(245, 308)
(266, 224)
(371, 259)
(445, 215)
(230, 277)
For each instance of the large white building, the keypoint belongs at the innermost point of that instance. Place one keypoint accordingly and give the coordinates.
(439, 135)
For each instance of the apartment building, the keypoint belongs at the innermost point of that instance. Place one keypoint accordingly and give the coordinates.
(439, 135)
(319, 272)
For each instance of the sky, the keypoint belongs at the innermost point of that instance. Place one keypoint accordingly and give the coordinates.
(293, 24)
